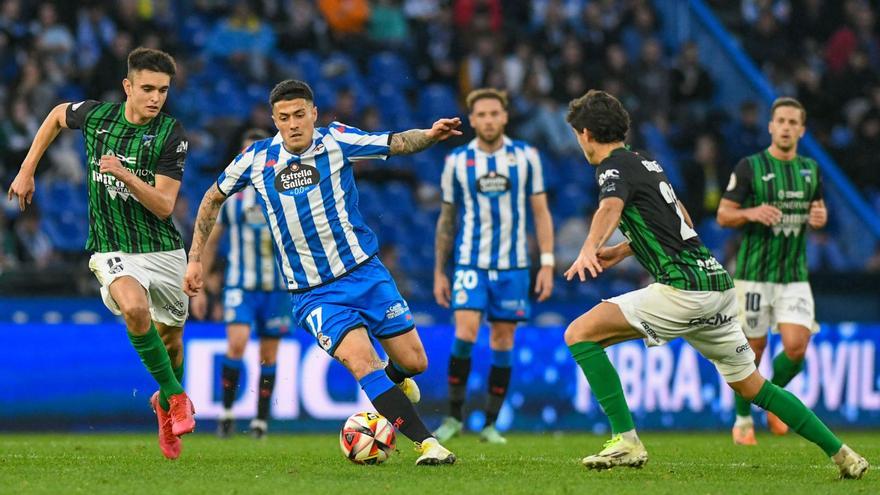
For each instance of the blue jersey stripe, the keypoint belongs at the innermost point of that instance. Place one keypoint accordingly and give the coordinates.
(514, 189)
(496, 216)
(471, 168)
(323, 164)
(290, 252)
(307, 221)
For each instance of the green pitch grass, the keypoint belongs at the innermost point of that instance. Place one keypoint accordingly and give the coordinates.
(680, 463)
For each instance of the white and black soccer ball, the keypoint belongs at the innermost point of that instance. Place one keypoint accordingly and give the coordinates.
(367, 438)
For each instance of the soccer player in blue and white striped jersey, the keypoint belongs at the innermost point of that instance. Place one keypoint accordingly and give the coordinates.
(486, 185)
(340, 290)
(254, 295)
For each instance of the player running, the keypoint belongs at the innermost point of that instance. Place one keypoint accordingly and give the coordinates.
(254, 295)
(773, 195)
(692, 298)
(340, 290)
(135, 164)
(486, 184)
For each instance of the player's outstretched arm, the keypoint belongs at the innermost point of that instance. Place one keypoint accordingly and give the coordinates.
(445, 236)
(415, 140)
(23, 186)
(605, 220)
(544, 233)
(731, 214)
(205, 220)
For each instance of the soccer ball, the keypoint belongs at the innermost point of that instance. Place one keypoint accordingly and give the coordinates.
(367, 438)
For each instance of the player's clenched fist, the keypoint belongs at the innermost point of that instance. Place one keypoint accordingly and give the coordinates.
(192, 281)
(765, 214)
(818, 215)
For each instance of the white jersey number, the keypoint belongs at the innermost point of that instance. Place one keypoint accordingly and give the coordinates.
(669, 195)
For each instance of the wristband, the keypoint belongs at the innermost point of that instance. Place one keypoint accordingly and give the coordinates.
(547, 259)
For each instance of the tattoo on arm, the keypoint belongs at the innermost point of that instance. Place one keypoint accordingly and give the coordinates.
(205, 220)
(411, 141)
(444, 237)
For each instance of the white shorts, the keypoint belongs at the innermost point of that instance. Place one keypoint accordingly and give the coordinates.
(763, 305)
(160, 273)
(707, 320)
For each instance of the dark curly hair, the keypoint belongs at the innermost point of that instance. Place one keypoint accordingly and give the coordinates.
(601, 114)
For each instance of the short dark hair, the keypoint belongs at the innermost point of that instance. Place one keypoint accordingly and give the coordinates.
(601, 114)
(484, 93)
(291, 89)
(142, 58)
(788, 101)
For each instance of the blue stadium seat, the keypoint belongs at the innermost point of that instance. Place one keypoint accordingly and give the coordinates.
(307, 64)
(436, 101)
(389, 68)
(67, 230)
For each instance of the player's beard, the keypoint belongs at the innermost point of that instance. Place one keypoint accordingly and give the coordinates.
(491, 138)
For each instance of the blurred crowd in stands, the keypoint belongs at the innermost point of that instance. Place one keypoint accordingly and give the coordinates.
(396, 64)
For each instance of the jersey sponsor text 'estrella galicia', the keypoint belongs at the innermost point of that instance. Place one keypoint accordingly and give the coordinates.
(778, 253)
(251, 261)
(310, 201)
(117, 220)
(490, 191)
(655, 225)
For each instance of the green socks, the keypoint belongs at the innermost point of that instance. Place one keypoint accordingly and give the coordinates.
(784, 370)
(152, 352)
(797, 416)
(605, 384)
(178, 373)
(742, 406)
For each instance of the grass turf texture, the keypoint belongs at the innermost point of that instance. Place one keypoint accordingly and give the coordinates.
(692, 463)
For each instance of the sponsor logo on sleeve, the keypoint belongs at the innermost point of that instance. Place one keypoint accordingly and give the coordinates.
(610, 174)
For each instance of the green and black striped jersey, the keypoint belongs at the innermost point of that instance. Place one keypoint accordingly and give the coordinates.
(655, 225)
(117, 220)
(778, 253)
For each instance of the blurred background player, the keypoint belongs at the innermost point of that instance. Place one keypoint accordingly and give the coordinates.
(340, 290)
(692, 298)
(486, 185)
(773, 195)
(254, 295)
(138, 253)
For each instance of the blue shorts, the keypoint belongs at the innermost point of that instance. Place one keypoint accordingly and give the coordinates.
(502, 294)
(266, 312)
(365, 297)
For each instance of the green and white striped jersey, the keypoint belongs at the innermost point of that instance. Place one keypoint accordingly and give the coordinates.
(778, 253)
(117, 220)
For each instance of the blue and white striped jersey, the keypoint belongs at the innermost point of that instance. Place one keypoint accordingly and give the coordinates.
(311, 201)
(490, 192)
(251, 261)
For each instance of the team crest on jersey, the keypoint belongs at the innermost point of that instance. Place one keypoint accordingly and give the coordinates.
(147, 139)
(511, 160)
(461, 297)
(297, 179)
(493, 184)
(325, 341)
